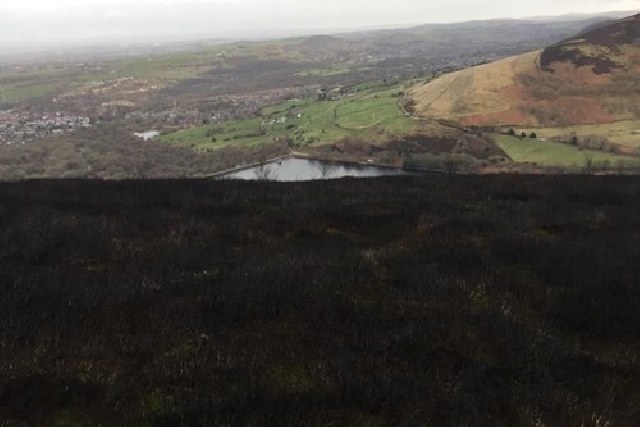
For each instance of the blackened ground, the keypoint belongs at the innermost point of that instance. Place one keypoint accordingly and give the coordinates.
(497, 301)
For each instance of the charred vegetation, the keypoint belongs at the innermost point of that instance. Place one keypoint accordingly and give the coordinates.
(504, 300)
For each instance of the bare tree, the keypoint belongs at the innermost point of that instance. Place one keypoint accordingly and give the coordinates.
(451, 165)
(326, 170)
(263, 172)
(588, 162)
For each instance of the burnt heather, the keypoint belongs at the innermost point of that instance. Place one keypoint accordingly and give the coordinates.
(497, 301)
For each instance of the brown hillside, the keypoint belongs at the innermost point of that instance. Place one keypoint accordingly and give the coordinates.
(590, 79)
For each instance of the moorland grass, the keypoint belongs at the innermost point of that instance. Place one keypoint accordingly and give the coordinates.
(548, 153)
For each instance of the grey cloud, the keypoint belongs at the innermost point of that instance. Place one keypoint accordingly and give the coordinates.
(251, 18)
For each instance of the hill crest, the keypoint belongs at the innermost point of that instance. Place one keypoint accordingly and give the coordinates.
(597, 47)
(591, 78)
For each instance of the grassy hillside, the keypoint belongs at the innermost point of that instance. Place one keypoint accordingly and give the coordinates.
(201, 70)
(168, 68)
(547, 153)
(239, 133)
(624, 134)
(485, 91)
(484, 301)
(584, 89)
(371, 115)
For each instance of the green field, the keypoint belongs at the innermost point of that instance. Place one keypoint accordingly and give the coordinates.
(625, 133)
(547, 153)
(245, 133)
(284, 107)
(370, 116)
(160, 68)
(380, 85)
(25, 92)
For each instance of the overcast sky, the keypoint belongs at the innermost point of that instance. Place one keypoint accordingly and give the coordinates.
(48, 21)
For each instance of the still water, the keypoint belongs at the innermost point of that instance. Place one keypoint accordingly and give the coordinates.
(150, 134)
(293, 169)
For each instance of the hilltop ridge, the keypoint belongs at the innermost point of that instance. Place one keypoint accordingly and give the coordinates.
(591, 78)
(602, 47)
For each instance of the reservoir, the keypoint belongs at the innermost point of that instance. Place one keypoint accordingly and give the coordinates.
(296, 169)
(150, 134)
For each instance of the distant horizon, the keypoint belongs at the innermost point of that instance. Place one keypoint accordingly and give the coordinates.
(32, 23)
(262, 34)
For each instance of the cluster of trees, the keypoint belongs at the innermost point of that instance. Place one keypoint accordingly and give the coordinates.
(523, 135)
(111, 153)
(467, 151)
(589, 142)
(409, 105)
(492, 300)
(450, 163)
(479, 146)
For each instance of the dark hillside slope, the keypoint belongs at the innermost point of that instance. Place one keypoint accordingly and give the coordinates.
(624, 31)
(477, 301)
(600, 47)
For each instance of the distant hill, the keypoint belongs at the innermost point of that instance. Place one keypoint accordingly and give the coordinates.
(591, 78)
(518, 34)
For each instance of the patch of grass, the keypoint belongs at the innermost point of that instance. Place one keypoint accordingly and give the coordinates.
(367, 112)
(623, 133)
(25, 92)
(447, 96)
(155, 68)
(368, 116)
(372, 116)
(282, 108)
(156, 402)
(367, 86)
(553, 153)
(244, 133)
(292, 379)
(68, 417)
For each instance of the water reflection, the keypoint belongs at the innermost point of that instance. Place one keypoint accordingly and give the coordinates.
(294, 169)
(150, 134)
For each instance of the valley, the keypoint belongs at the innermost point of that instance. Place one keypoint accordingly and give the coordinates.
(352, 96)
(428, 225)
